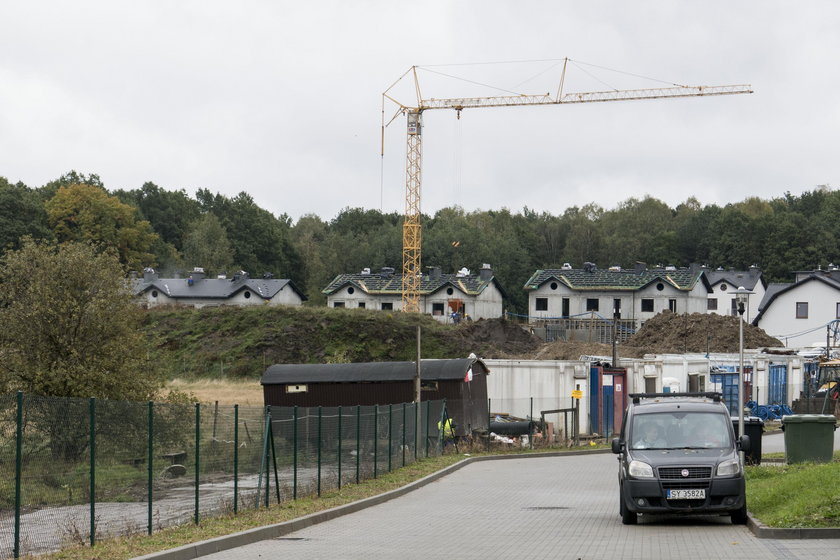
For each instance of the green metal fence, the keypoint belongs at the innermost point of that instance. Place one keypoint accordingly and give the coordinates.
(73, 471)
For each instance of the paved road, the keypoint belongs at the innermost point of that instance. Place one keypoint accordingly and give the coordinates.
(558, 507)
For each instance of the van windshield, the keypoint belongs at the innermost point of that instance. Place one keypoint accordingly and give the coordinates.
(680, 430)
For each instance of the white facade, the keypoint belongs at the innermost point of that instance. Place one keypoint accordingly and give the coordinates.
(721, 300)
(286, 296)
(639, 305)
(485, 305)
(798, 314)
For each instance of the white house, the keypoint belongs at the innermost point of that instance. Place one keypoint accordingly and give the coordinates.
(197, 290)
(477, 296)
(723, 282)
(798, 313)
(636, 295)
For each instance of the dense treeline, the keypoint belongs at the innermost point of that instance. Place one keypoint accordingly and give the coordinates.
(171, 230)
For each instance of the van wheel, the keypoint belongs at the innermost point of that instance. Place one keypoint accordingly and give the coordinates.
(627, 517)
(739, 516)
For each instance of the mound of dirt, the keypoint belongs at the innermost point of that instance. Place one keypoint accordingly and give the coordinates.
(697, 332)
(666, 333)
(498, 338)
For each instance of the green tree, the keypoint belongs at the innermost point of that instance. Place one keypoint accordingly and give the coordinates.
(21, 213)
(206, 245)
(71, 329)
(88, 214)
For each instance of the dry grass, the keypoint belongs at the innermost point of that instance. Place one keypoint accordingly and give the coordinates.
(226, 391)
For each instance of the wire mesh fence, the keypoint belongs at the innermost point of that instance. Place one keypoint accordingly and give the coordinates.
(76, 470)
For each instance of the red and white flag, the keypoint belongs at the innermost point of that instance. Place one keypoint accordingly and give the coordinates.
(468, 376)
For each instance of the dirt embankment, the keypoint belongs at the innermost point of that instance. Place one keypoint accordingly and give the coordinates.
(666, 333)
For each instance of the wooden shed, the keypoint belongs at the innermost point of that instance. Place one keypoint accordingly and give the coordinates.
(462, 382)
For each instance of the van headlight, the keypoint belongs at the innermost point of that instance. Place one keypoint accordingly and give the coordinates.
(638, 469)
(731, 467)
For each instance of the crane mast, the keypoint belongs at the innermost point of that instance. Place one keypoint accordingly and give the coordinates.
(412, 229)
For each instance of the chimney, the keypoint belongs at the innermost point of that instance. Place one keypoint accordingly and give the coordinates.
(639, 267)
(149, 275)
(435, 273)
(486, 273)
(197, 273)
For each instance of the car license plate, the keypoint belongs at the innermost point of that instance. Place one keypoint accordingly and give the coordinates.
(694, 494)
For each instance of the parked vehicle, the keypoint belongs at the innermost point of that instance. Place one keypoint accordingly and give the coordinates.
(678, 454)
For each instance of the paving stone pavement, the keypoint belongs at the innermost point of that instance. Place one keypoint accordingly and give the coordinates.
(554, 507)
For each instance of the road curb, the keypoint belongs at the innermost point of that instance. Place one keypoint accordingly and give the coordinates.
(762, 531)
(250, 536)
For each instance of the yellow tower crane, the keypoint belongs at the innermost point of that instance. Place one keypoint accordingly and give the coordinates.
(412, 231)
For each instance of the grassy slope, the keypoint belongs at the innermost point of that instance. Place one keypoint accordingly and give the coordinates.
(242, 342)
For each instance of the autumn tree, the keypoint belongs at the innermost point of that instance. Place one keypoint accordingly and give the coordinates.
(88, 214)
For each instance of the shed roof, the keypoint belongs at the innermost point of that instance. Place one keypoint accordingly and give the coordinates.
(371, 372)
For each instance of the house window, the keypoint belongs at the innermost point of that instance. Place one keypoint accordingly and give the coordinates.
(723, 287)
(650, 384)
(553, 285)
(565, 305)
(155, 294)
(592, 304)
(801, 309)
(437, 309)
(733, 307)
(660, 286)
(361, 305)
(647, 305)
(387, 306)
(247, 295)
(711, 304)
(541, 304)
(672, 305)
(338, 304)
(350, 290)
(449, 291)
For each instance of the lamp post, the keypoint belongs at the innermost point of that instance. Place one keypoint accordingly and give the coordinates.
(742, 297)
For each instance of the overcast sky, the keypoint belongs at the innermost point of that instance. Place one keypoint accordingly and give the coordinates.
(283, 100)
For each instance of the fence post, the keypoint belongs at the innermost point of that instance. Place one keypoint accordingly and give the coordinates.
(531, 426)
(18, 469)
(489, 415)
(339, 448)
(320, 416)
(375, 440)
(295, 453)
(358, 438)
(197, 455)
(235, 459)
(92, 409)
(417, 431)
(403, 435)
(390, 432)
(150, 467)
(428, 411)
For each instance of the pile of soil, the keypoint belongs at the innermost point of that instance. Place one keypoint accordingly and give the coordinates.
(698, 332)
(497, 338)
(666, 333)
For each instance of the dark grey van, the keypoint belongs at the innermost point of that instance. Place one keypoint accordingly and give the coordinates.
(677, 453)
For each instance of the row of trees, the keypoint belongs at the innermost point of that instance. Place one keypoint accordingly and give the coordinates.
(172, 230)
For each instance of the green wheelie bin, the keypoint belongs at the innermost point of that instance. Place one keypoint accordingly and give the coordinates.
(809, 437)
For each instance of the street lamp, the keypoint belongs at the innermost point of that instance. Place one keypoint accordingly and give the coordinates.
(742, 297)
